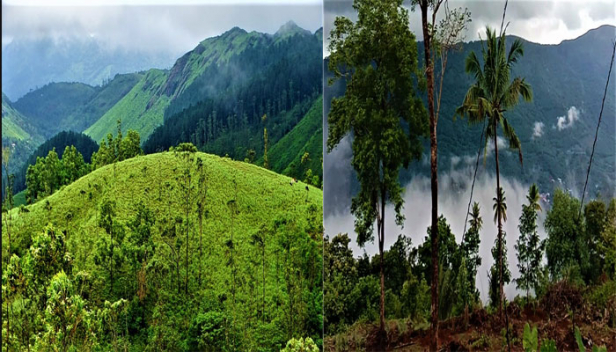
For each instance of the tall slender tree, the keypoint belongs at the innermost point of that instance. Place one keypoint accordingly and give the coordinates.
(500, 215)
(438, 39)
(376, 56)
(529, 247)
(470, 247)
(492, 94)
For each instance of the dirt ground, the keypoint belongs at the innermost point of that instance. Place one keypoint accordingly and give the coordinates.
(486, 332)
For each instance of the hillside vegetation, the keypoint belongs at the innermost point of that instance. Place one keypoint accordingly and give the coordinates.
(210, 254)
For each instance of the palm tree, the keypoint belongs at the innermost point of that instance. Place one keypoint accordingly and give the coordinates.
(533, 198)
(500, 215)
(492, 94)
(476, 221)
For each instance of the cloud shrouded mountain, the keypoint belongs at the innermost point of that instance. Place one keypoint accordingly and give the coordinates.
(31, 63)
(213, 96)
(568, 82)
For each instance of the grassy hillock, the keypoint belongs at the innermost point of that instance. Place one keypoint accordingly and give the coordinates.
(144, 178)
(242, 201)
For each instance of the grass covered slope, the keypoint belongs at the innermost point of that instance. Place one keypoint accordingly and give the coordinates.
(14, 124)
(141, 109)
(19, 134)
(306, 136)
(106, 97)
(243, 201)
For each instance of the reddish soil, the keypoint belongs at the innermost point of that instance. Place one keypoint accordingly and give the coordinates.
(484, 331)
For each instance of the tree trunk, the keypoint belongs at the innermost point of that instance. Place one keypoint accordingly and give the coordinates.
(111, 265)
(200, 244)
(433, 172)
(381, 235)
(263, 264)
(500, 227)
(187, 234)
(8, 324)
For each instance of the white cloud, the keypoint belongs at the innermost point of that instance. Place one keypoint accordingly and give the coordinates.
(502, 144)
(153, 2)
(454, 193)
(172, 28)
(538, 129)
(539, 21)
(562, 122)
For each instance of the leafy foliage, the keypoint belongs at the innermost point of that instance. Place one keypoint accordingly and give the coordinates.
(48, 174)
(82, 143)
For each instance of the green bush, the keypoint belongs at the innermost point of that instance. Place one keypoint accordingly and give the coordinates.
(301, 345)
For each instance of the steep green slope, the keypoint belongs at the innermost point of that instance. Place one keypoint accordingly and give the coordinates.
(12, 122)
(106, 97)
(19, 134)
(140, 109)
(73, 106)
(243, 200)
(306, 136)
(221, 111)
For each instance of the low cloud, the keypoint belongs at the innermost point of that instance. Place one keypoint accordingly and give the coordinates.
(172, 28)
(454, 193)
(502, 144)
(538, 129)
(562, 122)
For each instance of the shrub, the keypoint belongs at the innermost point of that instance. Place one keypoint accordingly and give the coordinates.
(301, 345)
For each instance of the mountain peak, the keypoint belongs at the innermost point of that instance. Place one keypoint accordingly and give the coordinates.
(235, 30)
(290, 28)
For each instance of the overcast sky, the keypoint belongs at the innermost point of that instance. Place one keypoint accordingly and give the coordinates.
(176, 26)
(540, 21)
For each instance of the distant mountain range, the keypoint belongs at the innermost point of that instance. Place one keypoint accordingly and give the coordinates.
(556, 130)
(28, 64)
(214, 96)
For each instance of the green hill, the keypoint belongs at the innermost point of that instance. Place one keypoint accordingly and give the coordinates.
(73, 106)
(141, 109)
(242, 200)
